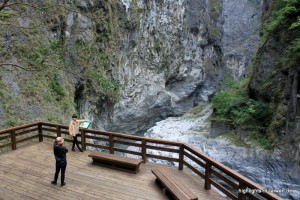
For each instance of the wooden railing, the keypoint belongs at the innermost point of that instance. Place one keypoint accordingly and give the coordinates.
(231, 183)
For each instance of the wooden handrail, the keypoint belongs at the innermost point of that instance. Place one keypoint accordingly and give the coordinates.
(243, 181)
(19, 127)
(212, 168)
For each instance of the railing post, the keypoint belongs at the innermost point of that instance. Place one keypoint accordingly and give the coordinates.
(111, 144)
(13, 140)
(40, 132)
(207, 184)
(83, 140)
(58, 132)
(181, 157)
(144, 151)
(241, 195)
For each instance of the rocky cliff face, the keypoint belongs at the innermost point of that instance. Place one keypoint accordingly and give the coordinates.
(167, 63)
(160, 58)
(174, 55)
(276, 81)
(240, 35)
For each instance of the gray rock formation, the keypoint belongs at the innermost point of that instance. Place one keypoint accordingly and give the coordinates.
(240, 34)
(165, 64)
(167, 56)
(276, 80)
(171, 58)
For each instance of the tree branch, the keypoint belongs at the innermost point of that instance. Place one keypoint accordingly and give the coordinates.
(51, 6)
(4, 4)
(18, 66)
(34, 69)
(18, 26)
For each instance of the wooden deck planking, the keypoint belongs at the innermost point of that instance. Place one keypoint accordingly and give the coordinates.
(26, 174)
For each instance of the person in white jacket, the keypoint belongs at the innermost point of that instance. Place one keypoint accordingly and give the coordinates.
(74, 131)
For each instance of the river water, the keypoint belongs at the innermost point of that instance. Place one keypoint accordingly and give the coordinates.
(268, 168)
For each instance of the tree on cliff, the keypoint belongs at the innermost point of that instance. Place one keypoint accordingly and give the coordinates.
(36, 40)
(17, 21)
(284, 21)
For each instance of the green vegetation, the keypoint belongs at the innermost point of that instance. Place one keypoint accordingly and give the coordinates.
(89, 55)
(284, 21)
(196, 112)
(164, 62)
(5, 14)
(234, 140)
(260, 140)
(95, 72)
(253, 138)
(102, 84)
(40, 56)
(2, 88)
(239, 109)
(198, 109)
(41, 86)
(285, 15)
(235, 107)
(57, 87)
(215, 6)
(29, 89)
(52, 117)
(50, 57)
(281, 31)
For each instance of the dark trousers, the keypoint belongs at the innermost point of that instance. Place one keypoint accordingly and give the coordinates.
(75, 141)
(62, 165)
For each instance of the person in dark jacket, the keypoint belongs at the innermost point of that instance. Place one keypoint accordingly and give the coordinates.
(60, 152)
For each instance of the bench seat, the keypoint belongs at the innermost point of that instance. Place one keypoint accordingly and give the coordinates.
(171, 185)
(115, 161)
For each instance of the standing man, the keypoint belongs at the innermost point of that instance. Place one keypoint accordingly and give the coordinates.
(74, 130)
(60, 152)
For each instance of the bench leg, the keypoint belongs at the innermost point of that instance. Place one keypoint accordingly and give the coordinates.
(169, 195)
(164, 190)
(157, 181)
(160, 185)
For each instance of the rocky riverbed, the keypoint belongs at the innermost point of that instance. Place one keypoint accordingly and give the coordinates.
(266, 167)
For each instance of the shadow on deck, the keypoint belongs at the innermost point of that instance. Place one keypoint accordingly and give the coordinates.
(27, 173)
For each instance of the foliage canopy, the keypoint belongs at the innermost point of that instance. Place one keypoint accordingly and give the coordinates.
(235, 106)
(285, 18)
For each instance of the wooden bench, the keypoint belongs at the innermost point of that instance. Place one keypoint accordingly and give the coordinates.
(117, 162)
(171, 186)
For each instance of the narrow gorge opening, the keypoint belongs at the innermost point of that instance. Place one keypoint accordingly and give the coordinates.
(78, 96)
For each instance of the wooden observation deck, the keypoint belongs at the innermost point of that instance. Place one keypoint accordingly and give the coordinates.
(26, 172)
